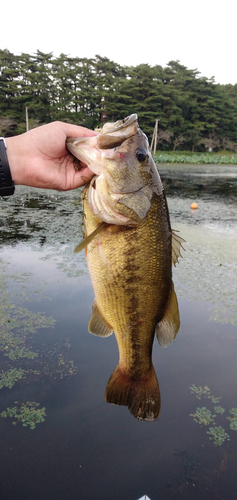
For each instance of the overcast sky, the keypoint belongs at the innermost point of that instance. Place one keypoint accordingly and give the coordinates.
(199, 34)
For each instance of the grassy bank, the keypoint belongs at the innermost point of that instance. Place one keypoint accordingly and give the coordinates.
(222, 158)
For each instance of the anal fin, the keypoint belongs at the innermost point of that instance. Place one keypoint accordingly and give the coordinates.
(97, 324)
(168, 327)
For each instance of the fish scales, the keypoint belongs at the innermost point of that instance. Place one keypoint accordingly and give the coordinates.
(132, 287)
(129, 259)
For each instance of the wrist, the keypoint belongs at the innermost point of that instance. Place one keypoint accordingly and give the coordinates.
(14, 155)
(7, 187)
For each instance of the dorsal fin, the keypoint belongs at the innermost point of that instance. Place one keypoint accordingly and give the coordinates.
(176, 246)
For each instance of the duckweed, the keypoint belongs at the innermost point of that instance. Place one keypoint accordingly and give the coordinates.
(18, 325)
(23, 352)
(206, 272)
(10, 377)
(204, 392)
(218, 435)
(233, 424)
(28, 414)
(203, 415)
(219, 409)
(233, 420)
(233, 411)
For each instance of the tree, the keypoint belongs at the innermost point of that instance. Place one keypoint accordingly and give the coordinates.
(227, 144)
(211, 142)
(191, 109)
(178, 140)
(7, 127)
(164, 137)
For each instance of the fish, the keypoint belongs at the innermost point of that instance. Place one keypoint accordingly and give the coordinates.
(130, 248)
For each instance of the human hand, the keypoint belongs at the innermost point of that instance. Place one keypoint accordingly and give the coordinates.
(39, 158)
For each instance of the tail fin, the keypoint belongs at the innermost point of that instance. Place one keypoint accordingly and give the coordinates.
(142, 397)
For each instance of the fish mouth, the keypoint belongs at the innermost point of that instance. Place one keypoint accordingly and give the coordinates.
(119, 124)
(91, 150)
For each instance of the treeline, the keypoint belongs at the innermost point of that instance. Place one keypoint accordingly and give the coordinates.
(193, 111)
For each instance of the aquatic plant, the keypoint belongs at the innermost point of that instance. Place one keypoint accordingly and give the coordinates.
(233, 411)
(203, 416)
(17, 328)
(196, 158)
(199, 391)
(204, 392)
(233, 420)
(218, 435)
(205, 251)
(18, 353)
(10, 377)
(28, 414)
(233, 424)
(55, 362)
(219, 409)
(17, 324)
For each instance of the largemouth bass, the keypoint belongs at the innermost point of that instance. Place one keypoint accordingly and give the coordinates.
(129, 249)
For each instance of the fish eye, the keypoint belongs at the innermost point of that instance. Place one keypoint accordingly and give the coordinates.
(141, 154)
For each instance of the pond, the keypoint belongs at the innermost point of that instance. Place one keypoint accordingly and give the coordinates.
(59, 438)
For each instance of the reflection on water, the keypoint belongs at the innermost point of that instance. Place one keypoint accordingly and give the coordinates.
(45, 308)
(206, 183)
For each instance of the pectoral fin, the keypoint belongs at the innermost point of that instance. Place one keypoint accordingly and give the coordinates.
(176, 247)
(168, 327)
(89, 238)
(97, 324)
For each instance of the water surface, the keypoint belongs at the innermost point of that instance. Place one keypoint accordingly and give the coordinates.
(85, 448)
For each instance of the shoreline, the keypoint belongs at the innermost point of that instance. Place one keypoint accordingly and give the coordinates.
(196, 158)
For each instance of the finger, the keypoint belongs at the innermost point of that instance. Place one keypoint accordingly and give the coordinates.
(83, 177)
(77, 164)
(76, 131)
